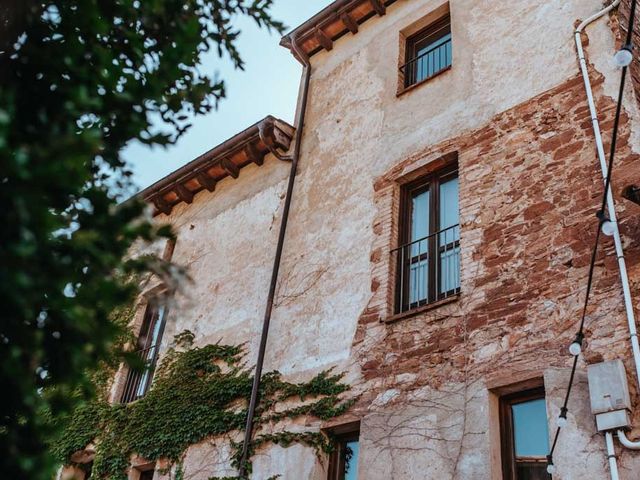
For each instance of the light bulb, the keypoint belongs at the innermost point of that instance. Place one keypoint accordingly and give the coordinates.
(575, 348)
(623, 57)
(551, 468)
(608, 228)
(562, 422)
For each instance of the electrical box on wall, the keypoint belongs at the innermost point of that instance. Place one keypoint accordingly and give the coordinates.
(609, 393)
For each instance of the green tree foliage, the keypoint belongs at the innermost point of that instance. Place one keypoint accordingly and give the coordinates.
(79, 79)
(198, 393)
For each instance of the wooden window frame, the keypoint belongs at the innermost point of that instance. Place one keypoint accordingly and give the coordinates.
(169, 248)
(430, 182)
(340, 436)
(131, 384)
(429, 34)
(507, 443)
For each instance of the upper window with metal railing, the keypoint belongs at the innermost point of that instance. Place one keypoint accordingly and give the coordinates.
(428, 52)
(140, 374)
(428, 260)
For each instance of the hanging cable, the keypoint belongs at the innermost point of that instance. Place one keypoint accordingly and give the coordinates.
(575, 349)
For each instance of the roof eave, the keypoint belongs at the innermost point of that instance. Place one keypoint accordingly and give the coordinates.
(332, 22)
(226, 159)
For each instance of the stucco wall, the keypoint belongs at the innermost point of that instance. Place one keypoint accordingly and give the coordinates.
(513, 108)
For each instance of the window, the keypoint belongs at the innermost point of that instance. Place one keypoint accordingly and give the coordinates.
(524, 436)
(143, 472)
(146, 475)
(139, 379)
(429, 257)
(427, 52)
(343, 463)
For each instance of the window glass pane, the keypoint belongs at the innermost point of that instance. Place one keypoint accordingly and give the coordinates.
(418, 278)
(530, 431)
(449, 208)
(449, 268)
(150, 352)
(432, 57)
(352, 449)
(420, 216)
(419, 251)
(156, 327)
(138, 381)
(149, 329)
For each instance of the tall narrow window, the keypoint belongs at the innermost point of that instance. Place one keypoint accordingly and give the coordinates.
(524, 436)
(139, 379)
(343, 463)
(428, 52)
(429, 257)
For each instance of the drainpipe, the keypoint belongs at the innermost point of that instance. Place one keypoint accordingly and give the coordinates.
(611, 208)
(253, 401)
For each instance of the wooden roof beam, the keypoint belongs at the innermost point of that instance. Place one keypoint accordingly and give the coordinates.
(184, 194)
(323, 39)
(349, 22)
(161, 204)
(253, 154)
(378, 6)
(230, 167)
(206, 181)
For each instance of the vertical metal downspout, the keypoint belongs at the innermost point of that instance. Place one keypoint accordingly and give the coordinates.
(253, 401)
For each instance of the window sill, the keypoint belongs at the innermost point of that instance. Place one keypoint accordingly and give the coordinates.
(423, 309)
(404, 90)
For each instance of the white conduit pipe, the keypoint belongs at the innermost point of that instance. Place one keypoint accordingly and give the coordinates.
(626, 442)
(611, 455)
(626, 291)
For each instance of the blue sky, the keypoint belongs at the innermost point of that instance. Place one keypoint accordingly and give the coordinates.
(267, 86)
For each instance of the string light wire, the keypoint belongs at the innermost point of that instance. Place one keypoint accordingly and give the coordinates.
(601, 220)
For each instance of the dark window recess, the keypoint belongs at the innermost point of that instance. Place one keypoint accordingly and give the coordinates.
(139, 375)
(428, 261)
(524, 436)
(428, 52)
(146, 475)
(343, 462)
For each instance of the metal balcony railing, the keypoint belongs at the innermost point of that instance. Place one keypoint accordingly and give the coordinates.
(139, 379)
(428, 269)
(427, 64)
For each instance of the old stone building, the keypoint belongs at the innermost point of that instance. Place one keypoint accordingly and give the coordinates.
(437, 245)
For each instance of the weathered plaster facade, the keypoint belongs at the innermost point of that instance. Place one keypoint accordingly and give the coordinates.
(513, 110)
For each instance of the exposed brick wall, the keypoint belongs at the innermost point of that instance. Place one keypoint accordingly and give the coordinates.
(623, 22)
(529, 189)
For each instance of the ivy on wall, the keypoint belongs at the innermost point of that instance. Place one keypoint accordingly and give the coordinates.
(198, 393)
